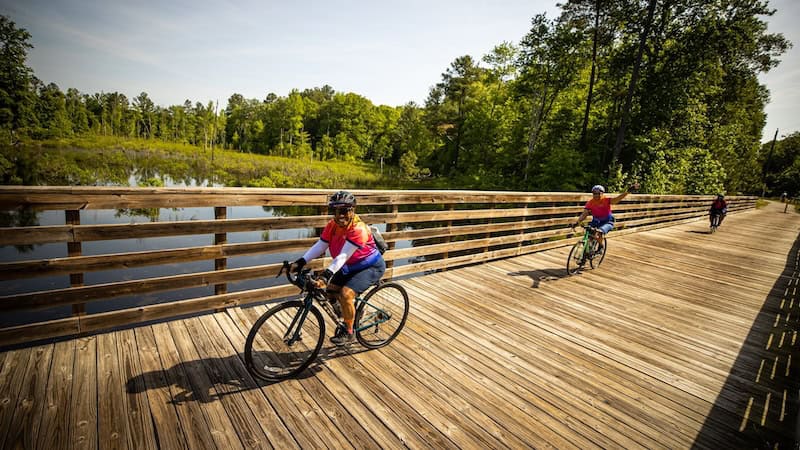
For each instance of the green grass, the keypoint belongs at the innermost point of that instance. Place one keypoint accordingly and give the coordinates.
(100, 160)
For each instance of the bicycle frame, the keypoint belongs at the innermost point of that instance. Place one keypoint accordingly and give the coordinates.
(588, 241)
(380, 316)
(304, 281)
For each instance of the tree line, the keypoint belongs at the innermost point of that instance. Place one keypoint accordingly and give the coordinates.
(663, 92)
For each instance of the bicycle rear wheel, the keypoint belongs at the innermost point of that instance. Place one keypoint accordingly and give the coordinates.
(284, 341)
(597, 258)
(382, 315)
(576, 259)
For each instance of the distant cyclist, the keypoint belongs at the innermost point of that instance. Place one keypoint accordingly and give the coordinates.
(718, 210)
(600, 209)
(357, 264)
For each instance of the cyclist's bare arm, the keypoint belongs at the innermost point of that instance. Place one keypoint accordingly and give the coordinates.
(580, 219)
(619, 198)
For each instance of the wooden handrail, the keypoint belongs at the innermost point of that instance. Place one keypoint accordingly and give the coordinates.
(455, 222)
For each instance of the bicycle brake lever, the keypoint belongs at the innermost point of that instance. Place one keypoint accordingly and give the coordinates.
(280, 272)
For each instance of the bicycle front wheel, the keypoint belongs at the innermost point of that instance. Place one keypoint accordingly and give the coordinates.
(382, 315)
(576, 259)
(284, 341)
(598, 257)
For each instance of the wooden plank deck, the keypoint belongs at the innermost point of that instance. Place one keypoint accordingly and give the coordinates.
(679, 340)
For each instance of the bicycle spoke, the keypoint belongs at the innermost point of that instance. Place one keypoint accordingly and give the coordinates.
(383, 315)
(275, 349)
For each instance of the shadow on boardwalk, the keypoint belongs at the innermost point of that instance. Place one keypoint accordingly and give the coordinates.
(541, 275)
(759, 402)
(209, 379)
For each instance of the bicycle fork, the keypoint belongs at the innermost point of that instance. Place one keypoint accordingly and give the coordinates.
(293, 333)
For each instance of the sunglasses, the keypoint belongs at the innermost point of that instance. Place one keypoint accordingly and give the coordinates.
(340, 211)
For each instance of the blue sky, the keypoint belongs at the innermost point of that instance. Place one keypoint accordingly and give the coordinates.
(389, 52)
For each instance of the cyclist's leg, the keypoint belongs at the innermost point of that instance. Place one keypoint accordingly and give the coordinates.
(357, 283)
(722, 215)
(604, 229)
(336, 289)
(597, 235)
(347, 299)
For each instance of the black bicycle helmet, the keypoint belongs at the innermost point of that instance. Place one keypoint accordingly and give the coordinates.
(342, 198)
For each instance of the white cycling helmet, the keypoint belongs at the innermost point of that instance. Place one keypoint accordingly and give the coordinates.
(598, 188)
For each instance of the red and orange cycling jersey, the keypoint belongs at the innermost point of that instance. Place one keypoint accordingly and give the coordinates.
(600, 208)
(357, 233)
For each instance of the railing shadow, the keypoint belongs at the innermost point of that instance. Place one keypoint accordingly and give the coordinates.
(209, 379)
(758, 405)
(541, 275)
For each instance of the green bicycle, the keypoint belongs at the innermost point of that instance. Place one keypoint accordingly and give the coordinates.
(287, 338)
(586, 251)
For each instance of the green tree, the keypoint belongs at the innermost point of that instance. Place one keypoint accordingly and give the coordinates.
(236, 116)
(412, 135)
(17, 96)
(77, 111)
(51, 112)
(447, 108)
(549, 54)
(146, 115)
(781, 166)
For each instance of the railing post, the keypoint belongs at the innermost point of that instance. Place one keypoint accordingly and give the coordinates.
(488, 223)
(389, 228)
(522, 230)
(73, 217)
(450, 207)
(220, 213)
(323, 211)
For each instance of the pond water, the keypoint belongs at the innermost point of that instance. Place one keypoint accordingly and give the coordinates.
(94, 217)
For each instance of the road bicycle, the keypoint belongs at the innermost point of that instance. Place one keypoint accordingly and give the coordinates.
(287, 338)
(587, 250)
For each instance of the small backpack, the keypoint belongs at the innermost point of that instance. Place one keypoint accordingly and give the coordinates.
(380, 243)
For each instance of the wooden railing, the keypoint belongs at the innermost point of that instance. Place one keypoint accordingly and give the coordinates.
(448, 229)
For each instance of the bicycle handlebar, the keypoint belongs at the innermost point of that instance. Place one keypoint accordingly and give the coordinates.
(304, 279)
(587, 227)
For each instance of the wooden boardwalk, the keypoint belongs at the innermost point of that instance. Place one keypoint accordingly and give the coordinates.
(681, 339)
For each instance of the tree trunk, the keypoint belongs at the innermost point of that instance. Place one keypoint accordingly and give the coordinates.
(536, 126)
(458, 130)
(584, 143)
(634, 78)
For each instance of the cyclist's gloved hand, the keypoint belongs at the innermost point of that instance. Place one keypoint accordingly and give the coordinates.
(327, 275)
(298, 265)
(324, 279)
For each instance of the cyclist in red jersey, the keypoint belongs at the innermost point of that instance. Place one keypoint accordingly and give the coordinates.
(600, 209)
(718, 210)
(357, 263)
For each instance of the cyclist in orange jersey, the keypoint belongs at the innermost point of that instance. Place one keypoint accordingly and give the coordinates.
(600, 209)
(357, 263)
